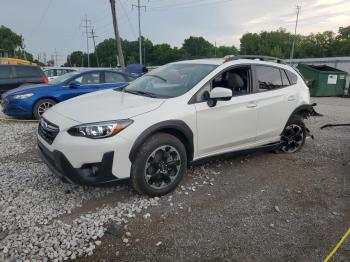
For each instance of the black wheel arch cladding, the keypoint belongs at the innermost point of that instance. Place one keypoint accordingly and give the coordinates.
(303, 111)
(177, 128)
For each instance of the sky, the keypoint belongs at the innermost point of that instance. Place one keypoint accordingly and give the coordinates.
(55, 26)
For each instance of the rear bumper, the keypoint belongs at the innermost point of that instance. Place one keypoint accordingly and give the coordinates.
(89, 174)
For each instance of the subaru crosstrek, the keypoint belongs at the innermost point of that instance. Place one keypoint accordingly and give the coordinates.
(178, 113)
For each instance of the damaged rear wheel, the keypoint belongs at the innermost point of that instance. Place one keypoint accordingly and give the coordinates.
(293, 136)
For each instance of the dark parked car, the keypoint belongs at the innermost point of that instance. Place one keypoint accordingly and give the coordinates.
(13, 76)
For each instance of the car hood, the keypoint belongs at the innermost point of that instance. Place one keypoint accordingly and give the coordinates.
(25, 89)
(106, 105)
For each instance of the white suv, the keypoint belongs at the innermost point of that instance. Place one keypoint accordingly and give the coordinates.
(181, 112)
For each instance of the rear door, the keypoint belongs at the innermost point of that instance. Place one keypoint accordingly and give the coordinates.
(276, 100)
(7, 80)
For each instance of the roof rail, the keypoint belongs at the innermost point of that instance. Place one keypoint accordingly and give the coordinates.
(257, 57)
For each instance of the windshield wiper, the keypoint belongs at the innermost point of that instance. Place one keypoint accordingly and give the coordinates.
(159, 77)
(136, 92)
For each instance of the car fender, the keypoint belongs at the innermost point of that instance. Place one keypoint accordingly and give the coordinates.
(178, 128)
(304, 110)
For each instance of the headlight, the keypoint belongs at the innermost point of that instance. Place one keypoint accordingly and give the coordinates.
(100, 129)
(24, 96)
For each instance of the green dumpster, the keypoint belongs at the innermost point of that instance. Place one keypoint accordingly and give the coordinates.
(323, 80)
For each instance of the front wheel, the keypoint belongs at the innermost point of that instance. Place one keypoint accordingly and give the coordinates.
(41, 106)
(159, 165)
(294, 135)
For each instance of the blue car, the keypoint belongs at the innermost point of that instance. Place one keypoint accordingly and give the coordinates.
(32, 101)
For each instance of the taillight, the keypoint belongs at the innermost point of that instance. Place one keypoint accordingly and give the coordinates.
(46, 80)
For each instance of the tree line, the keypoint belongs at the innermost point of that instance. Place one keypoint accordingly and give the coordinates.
(153, 54)
(271, 43)
(278, 44)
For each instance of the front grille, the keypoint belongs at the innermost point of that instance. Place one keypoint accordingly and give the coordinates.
(47, 130)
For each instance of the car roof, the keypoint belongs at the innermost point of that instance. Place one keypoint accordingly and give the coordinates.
(206, 61)
(58, 67)
(18, 65)
(221, 61)
(84, 70)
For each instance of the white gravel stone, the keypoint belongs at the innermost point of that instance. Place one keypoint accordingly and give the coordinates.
(147, 215)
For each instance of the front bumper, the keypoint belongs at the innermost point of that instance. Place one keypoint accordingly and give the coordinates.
(89, 174)
(15, 108)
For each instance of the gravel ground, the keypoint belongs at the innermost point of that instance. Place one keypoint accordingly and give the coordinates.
(262, 206)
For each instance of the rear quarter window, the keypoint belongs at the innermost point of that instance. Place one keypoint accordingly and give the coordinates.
(285, 80)
(111, 77)
(293, 78)
(27, 71)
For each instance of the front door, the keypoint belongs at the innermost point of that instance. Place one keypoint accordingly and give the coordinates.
(229, 125)
(85, 83)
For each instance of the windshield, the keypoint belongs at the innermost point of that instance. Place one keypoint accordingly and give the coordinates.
(62, 78)
(170, 80)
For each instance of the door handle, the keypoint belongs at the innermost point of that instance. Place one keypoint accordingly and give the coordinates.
(252, 105)
(291, 98)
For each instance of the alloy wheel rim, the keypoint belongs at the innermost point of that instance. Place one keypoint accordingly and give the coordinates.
(43, 107)
(162, 167)
(292, 138)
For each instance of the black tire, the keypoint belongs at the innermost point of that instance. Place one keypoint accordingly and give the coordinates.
(139, 172)
(293, 136)
(38, 107)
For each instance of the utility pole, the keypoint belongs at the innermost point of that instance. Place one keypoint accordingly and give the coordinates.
(93, 36)
(295, 32)
(215, 48)
(138, 6)
(56, 55)
(86, 32)
(120, 56)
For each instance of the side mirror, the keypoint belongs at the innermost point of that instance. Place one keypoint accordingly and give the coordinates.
(219, 94)
(74, 84)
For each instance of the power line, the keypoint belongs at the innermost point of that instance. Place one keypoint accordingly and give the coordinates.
(179, 4)
(41, 18)
(165, 8)
(129, 21)
(138, 6)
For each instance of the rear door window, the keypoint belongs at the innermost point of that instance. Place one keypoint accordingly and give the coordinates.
(89, 79)
(5, 72)
(269, 78)
(111, 77)
(27, 71)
